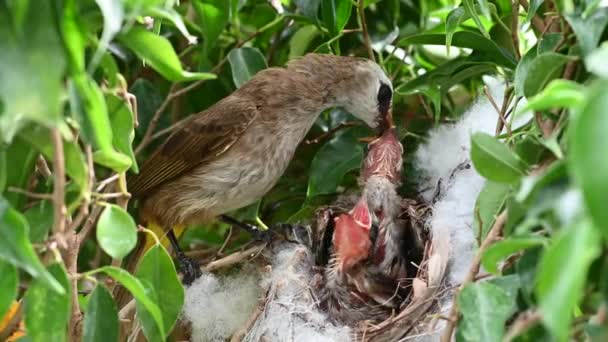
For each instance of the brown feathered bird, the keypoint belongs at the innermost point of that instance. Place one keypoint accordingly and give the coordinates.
(233, 153)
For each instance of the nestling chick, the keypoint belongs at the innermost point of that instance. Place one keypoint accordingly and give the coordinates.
(233, 153)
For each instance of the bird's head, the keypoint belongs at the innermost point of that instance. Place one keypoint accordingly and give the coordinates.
(351, 239)
(368, 94)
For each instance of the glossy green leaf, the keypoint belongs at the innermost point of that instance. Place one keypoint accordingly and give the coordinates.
(17, 249)
(490, 201)
(158, 52)
(213, 15)
(244, 63)
(469, 7)
(137, 289)
(299, 43)
(310, 8)
(100, 317)
(9, 283)
(22, 158)
(562, 275)
(485, 308)
(456, 17)
(113, 14)
(123, 132)
(40, 220)
(167, 13)
(75, 165)
(116, 231)
(559, 93)
(596, 61)
(464, 39)
(587, 159)
(504, 248)
(533, 7)
(30, 90)
(91, 112)
(3, 170)
(156, 270)
(544, 68)
(47, 312)
(335, 14)
(494, 160)
(521, 72)
(588, 29)
(339, 156)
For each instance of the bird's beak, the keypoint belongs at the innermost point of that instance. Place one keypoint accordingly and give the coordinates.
(385, 121)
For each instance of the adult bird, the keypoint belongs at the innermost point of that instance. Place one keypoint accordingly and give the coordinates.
(230, 155)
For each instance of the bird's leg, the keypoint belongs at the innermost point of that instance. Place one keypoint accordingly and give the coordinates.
(256, 233)
(187, 266)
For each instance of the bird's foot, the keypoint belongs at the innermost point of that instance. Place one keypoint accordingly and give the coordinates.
(258, 234)
(189, 268)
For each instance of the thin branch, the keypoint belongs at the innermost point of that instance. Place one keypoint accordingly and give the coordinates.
(58, 188)
(43, 167)
(493, 234)
(515, 28)
(35, 195)
(331, 132)
(234, 258)
(522, 323)
(537, 22)
(366, 40)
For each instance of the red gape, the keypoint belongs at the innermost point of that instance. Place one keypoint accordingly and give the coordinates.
(384, 157)
(351, 236)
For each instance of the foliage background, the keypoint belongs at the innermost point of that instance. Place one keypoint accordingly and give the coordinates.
(88, 88)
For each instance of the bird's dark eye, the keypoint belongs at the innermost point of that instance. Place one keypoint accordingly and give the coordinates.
(384, 98)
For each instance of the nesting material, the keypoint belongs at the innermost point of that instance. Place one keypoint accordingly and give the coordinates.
(219, 308)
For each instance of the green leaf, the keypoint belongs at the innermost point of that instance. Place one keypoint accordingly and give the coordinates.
(122, 122)
(30, 89)
(559, 93)
(562, 275)
(244, 63)
(75, 165)
(470, 8)
(587, 161)
(489, 203)
(113, 14)
(533, 7)
(464, 39)
(333, 161)
(158, 52)
(588, 29)
(137, 289)
(116, 231)
(46, 311)
(502, 249)
(100, 317)
(494, 160)
(16, 248)
(174, 17)
(544, 68)
(213, 15)
(9, 283)
(521, 72)
(156, 270)
(310, 8)
(298, 44)
(456, 17)
(485, 308)
(22, 158)
(596, 61)
(40, 220)
(90, 108)
(335, 14)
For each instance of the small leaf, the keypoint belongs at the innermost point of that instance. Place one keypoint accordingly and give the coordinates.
(459, 15)
(174, 17)
(158, 52)
(47, 312)
(16, 248)
(213, 15)
(587, 161)
(100, 317)
(485, 308)
(489, 203)
(562, 274)
(310, 8)
(465, 39)
(333, 161)
(113, 14)
(116, 231)
(470, 8)
(137, 289)
(335, 14)
(40, 219)
(122, 122)
(502, 249)
(588, 29)
(244, 63)
(494, 160)
(298, 44)
(521, 72)
(596, 61)
(9, 282)
(534, 6)
(157, 270)
(559, 93)
(544, 68)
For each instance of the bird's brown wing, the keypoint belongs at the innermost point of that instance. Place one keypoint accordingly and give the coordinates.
(202, 139)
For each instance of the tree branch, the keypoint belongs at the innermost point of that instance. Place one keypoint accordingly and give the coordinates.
(59, 211)
(366, 40)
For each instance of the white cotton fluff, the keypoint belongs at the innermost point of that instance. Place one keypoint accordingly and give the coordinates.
(218, 306)
(290, 313)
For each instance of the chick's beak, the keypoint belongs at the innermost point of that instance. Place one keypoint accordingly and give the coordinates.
(351, 236)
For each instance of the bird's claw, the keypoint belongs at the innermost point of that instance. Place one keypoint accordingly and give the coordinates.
(189, 268)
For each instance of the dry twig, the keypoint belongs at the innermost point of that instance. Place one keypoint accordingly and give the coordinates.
(366, 40)
(60, 211)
